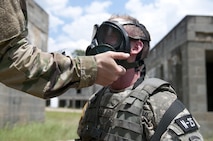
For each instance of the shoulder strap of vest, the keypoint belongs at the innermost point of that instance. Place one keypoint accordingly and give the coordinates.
(151, 85)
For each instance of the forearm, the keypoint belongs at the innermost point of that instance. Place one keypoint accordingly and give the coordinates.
(44, 75)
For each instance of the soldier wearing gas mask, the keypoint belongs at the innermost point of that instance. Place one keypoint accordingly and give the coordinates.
(116, 35)
(133, 108)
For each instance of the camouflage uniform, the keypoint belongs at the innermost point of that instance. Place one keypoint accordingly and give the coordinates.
(27, 68)
(131, 115)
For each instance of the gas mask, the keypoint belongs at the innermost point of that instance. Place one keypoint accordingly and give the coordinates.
(111, 36)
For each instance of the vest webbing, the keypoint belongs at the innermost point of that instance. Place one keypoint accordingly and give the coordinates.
(125, 117)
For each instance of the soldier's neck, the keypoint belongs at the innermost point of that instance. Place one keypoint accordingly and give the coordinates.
(126, 80)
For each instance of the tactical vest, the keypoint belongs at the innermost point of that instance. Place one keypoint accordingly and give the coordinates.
(120, 118)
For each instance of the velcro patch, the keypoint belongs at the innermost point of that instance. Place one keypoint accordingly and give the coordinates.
(187, 123)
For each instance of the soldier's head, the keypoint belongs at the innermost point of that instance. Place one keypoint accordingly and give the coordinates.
(117, 34)
(134, 31)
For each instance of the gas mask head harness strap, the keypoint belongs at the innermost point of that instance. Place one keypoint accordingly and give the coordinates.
(112, 36)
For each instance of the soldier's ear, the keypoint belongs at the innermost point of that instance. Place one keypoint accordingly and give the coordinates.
(136, 46)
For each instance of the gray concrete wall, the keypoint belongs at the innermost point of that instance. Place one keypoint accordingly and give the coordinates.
(72, 97)
(15, 106)
(180, 58)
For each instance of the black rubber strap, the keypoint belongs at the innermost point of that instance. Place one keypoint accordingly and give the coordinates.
(175, 108)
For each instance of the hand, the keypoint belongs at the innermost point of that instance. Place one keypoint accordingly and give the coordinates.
(108, 70)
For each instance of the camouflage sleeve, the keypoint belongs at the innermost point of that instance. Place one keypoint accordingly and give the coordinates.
(183, 127)
(155, 108)
(27, 68)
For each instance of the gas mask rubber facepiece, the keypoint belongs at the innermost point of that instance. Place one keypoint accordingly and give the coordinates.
(111, 36)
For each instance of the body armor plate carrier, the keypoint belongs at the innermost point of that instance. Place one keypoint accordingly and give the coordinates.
(120, 118)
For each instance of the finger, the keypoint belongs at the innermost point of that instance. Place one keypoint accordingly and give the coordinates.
(119, 55)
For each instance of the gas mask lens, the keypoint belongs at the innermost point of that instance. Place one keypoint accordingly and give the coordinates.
(109, 35)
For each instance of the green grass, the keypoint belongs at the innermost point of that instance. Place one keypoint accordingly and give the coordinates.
(57, 126)
(209, 139)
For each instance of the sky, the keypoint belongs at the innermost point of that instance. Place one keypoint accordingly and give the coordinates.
(71, 21)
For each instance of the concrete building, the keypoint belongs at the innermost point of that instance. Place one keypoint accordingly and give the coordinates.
(73, 98)
(184, 57)
(16, 106)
